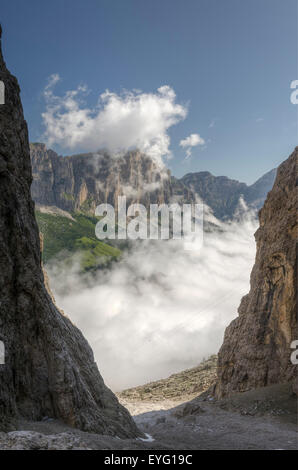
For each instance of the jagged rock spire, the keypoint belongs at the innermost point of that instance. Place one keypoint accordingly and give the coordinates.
(49, 367)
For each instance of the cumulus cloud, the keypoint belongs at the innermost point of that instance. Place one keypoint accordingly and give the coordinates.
(161, 309)
(119, 122)
(191, 141)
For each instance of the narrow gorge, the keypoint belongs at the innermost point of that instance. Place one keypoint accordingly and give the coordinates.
(52, 395)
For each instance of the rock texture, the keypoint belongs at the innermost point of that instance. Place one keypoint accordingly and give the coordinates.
(29, 440)
(81, 182)
(182, 386)
(256, 350)
(50, 369)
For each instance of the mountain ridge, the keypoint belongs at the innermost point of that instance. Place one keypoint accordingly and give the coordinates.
(222, 193)
(81, 182)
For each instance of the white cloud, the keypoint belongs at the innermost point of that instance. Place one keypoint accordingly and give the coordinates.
(53, 79)
(161, 309)
(118, 123)
(191, 141)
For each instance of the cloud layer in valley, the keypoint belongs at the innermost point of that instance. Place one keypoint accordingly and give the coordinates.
(118, 122)
(161, 309)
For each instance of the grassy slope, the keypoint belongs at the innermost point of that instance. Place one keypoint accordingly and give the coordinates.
(64, 238)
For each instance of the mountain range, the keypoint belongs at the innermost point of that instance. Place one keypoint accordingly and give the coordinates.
(67, 190)
(49, 377)
(81, 182)
(222, 193)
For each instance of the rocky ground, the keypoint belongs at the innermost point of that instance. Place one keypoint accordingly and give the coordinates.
(261, 419)
(180, 387)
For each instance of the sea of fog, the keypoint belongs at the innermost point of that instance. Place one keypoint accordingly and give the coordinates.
(161, 309)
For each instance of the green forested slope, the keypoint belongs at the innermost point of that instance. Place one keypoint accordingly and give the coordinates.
(64, 238)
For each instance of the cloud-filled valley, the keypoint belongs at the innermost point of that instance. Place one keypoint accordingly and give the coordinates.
(160, 309)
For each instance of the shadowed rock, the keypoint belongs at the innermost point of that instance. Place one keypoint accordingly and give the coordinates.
(257, 345)
(50, 369)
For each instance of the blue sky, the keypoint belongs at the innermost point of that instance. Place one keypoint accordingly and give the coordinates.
(230, 62)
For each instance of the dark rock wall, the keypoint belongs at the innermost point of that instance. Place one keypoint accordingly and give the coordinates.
(49, 369)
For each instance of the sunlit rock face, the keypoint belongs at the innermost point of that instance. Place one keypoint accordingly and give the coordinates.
(81, 182)
(49, 367)
(257, 346)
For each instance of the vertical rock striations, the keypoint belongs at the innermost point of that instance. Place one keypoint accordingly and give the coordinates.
(256, 350)
(49, 369)
(82, 182)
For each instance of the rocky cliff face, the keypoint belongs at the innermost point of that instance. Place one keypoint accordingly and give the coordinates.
(256, 350)
(81, 182)
(49, 369)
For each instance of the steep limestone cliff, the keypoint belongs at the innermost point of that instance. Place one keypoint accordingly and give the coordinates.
(256, 350)
(81, 182)
(49, 369)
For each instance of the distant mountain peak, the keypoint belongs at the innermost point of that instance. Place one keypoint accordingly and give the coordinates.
(222, 194)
